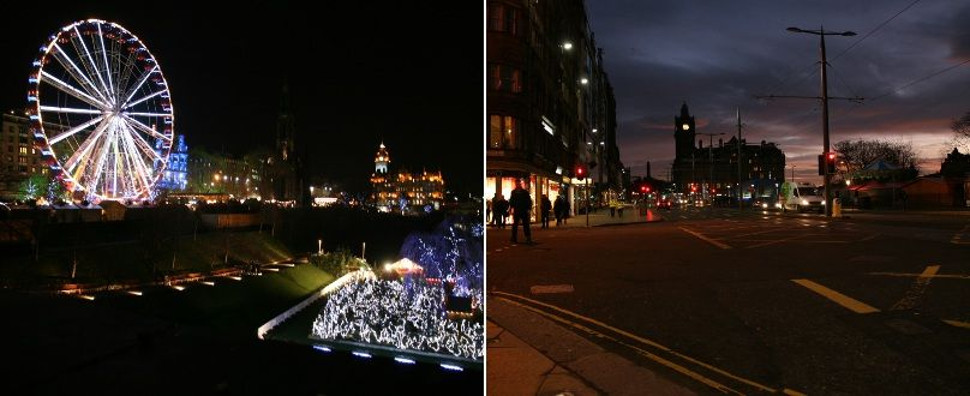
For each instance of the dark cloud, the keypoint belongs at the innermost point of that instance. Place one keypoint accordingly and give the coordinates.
(960, 34)
(718, 55)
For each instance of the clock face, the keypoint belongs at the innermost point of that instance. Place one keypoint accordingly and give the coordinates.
(685, 127)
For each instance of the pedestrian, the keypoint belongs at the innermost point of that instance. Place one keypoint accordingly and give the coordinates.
(503, 210)
(488, 211)
(565, 211)
(559, 208)
(545, 208)
(521, 204)
(500, 209)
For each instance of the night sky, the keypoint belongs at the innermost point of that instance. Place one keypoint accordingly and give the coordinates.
(359, 73)
(718, 55)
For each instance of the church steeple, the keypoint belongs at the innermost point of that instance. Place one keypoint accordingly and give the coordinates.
(285, 126)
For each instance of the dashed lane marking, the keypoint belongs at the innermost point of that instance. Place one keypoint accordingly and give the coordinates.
(706, 239)
(839, 298)
(957, 323)
(915, 293)
(957, 238)
(950, 276)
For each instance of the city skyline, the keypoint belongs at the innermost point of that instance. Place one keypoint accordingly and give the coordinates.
(718, 57)
(351, 87)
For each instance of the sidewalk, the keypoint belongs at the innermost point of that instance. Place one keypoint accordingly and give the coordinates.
(527, 354)
(561, 362)
(597, 218)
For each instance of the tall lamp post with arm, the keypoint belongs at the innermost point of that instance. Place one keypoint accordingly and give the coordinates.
(710, 158)
(825, 106)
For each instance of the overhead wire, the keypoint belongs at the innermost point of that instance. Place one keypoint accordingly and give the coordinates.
(861, 39)
(921, 79)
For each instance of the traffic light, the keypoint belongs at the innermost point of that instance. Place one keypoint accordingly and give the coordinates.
(645, 189)
(826, 163)
(580, 172)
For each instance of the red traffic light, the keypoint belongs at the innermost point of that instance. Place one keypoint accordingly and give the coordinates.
(831, 156)
(580, 172)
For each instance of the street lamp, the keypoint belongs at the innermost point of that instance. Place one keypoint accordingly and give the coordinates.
(825, 105)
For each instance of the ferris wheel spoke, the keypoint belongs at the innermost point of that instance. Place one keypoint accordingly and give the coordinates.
(90, 64)
(94, 179)
(144, 98)
(107, 66)
(141, 81)
(71, 90)
(144, 114)
(70, 110)
(140, 142)
(64, 135)
(99, 164)
(127, 70)
(135, 162)
(145, 128)
(79, 75)
(85, 147)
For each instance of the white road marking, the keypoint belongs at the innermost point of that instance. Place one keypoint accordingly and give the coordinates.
(551, 289)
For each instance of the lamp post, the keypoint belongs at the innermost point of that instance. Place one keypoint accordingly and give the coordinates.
(739, 161)
(825, 106)
(710, 158)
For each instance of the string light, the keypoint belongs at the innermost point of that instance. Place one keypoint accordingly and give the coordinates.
(409, 312)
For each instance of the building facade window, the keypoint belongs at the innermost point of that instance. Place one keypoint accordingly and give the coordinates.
(504, 78)
(503, 132)
(504, 18)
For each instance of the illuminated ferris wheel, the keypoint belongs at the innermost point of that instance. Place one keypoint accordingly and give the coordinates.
(100, 111)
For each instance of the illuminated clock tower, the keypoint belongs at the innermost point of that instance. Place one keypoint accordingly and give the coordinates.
(684, 133)
(381, 160)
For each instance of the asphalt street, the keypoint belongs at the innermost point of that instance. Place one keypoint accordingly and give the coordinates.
(727, 301)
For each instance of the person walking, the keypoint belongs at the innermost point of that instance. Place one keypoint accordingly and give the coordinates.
(521, 204)
(501, 208)
(545, 207)
(488, 211)
(559, 209)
